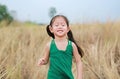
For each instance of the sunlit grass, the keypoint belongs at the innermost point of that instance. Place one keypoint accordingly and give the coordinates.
(21, 47)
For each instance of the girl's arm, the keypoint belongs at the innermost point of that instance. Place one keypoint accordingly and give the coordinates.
(45, 58)
(78, 61)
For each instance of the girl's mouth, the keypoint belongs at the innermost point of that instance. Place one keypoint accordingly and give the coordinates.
(59, 30)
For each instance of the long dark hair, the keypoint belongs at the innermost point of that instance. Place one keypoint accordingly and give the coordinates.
(69, 34)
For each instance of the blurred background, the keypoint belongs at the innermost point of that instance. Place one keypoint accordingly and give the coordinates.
(38, 11)
(95, 25)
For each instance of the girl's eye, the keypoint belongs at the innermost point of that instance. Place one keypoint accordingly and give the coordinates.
(56, 25)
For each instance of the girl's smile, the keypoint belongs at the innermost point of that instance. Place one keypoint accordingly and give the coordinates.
(59, 30)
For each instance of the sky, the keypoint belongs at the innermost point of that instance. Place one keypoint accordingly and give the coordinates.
(75, 10)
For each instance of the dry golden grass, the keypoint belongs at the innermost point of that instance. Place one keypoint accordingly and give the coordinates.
(21, 47)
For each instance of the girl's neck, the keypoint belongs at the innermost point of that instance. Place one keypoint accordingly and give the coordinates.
(60, 39)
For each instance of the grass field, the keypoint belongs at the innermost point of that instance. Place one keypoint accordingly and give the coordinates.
(21, 46)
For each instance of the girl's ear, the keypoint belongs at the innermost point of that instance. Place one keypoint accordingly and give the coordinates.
(51, 29)
(68, 29)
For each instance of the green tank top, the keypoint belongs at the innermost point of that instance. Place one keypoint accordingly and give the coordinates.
(60, 62)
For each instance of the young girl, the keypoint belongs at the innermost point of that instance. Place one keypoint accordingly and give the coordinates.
(61, 49)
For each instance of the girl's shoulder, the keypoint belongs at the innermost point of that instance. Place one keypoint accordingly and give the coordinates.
(48, 44)
(73, 45)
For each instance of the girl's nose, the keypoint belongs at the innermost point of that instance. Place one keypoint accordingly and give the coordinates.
(60, 26)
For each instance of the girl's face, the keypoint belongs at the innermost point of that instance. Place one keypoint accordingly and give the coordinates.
(59, 27)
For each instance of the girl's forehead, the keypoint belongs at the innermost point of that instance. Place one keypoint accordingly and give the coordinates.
(59, 19)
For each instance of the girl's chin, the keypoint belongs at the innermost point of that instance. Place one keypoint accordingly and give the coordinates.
(60, 35)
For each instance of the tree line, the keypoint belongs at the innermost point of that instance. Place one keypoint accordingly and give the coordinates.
(5, 15)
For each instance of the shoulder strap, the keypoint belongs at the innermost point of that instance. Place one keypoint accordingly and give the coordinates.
(52, 45)
(69, 42)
